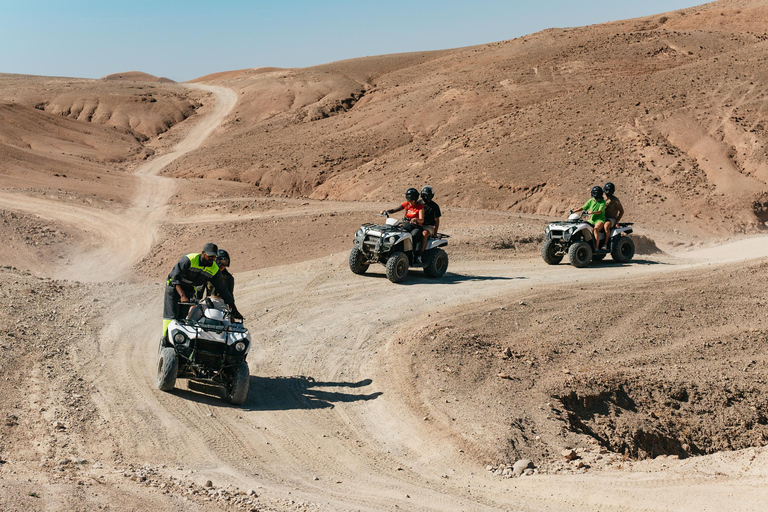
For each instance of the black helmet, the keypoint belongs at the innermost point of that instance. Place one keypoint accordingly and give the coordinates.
(609, 189)
(411, 194)
(222, 256)
(427, 193)
(597, 192)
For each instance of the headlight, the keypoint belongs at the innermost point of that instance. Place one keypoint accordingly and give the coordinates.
(359, 233)
(239, 346)
(179, 338)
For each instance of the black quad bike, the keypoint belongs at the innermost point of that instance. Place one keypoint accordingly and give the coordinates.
(392, 245)
(209, 347)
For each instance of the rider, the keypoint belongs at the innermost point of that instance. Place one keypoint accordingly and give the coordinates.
(613, 209)
(595, 207)
(222, 260)
(192, 270)
(414, 214)
(431, 218)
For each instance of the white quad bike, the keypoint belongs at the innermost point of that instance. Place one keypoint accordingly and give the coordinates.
(392, 245)
(575, 237)
(208, 347)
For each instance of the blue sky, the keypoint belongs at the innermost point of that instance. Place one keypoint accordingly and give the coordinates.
(187, 39)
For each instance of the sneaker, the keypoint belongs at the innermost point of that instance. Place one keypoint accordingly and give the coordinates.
(418, 260)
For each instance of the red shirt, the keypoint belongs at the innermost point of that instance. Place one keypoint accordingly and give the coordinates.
(412, 212)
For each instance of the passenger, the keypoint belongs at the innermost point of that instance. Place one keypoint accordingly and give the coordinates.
(193, 270)
(431, 218)
(613, 210)
(222, 260)
(596, 208)
(414, 214)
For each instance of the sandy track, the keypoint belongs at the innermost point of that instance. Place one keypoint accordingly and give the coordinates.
(328, 417)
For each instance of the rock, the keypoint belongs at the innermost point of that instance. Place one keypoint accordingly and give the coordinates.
(208, 483)
(569, 454)
(80, 460)
(63, 462)
(528, 472)
(520, 466)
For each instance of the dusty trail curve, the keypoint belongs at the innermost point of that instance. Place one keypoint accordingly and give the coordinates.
(328, 419)
(121, 238)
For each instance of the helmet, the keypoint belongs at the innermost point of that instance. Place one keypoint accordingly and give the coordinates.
(222, 256)
(411, 194)
(609, 189)
(427, 193)
(597, 192)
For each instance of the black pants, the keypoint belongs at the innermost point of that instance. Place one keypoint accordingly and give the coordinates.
(171, 307)
(415, 230)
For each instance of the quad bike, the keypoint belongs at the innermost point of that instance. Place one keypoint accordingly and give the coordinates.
(575, 238)
(392, 245)
(209, 347)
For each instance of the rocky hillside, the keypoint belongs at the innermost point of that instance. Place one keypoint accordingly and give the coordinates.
(669, 107)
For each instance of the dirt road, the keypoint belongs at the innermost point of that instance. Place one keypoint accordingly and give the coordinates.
(330, 417)
(327, 417)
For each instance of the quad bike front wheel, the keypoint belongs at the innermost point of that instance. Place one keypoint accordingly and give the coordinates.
(397, 267)
(238, 389)
(167, 367)
(549, 252)
(436, 263)
(623, 249)
(357, 262)
(580, 254)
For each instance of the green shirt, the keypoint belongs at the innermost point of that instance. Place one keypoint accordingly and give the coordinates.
(598, 206)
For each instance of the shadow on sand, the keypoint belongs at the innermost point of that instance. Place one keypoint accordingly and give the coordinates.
(286, 393)
(449, 278)
(608, 263)
(279, 393)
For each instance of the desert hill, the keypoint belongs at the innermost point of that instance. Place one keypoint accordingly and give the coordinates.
(668, 107)
(142, 109)
(136, 76)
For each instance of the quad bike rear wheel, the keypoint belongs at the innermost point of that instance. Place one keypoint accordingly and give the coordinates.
(623, 249)
(238, 389)
(357, 262)
(397, 267)
(167, 367)
(436, 263)
(580, 254)
(549, 252)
